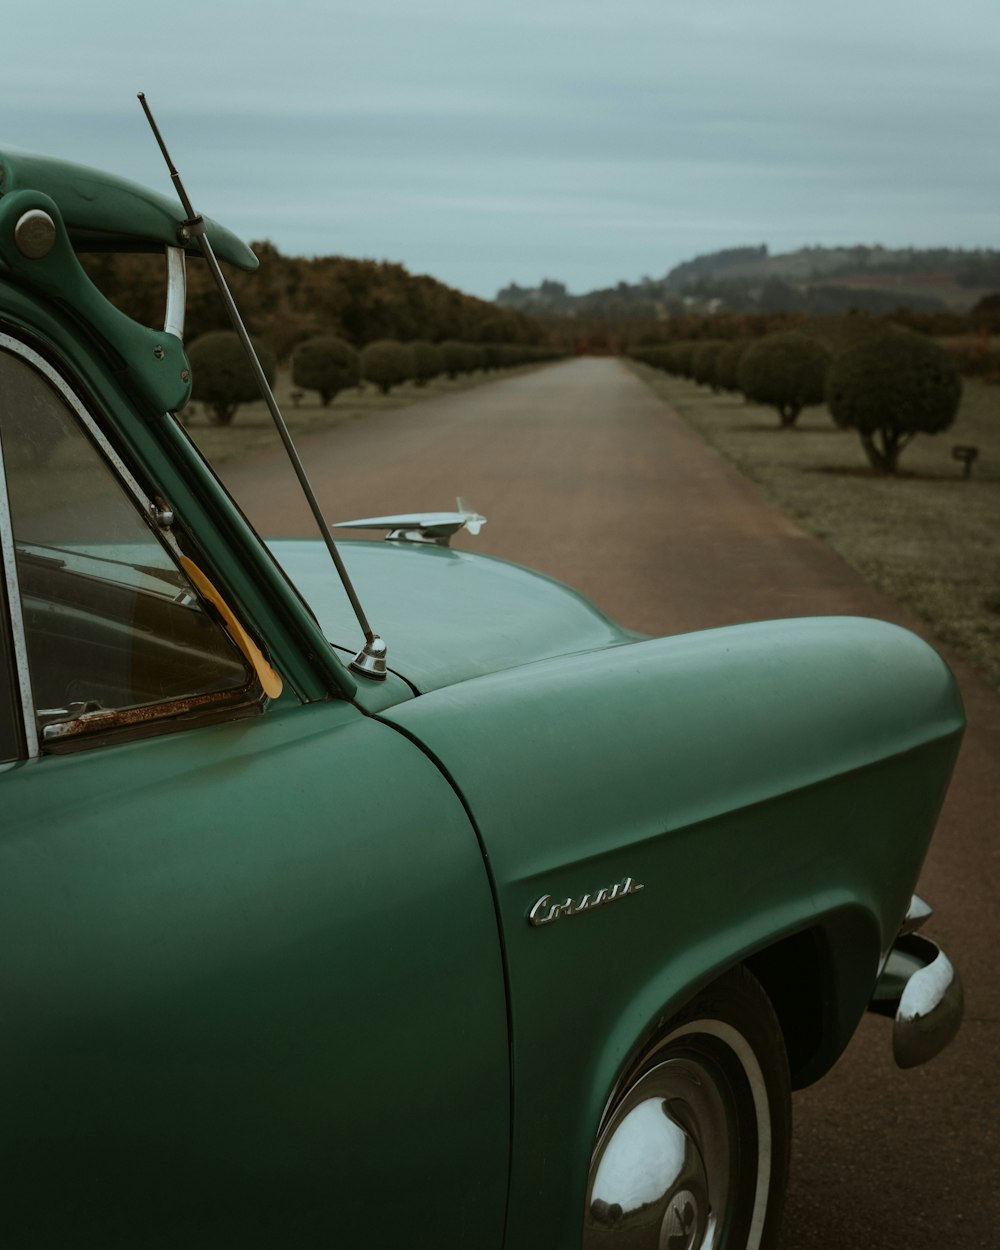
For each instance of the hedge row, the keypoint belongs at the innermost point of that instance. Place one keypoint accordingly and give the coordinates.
(978, 356)
(222, 378)
(888, 386)
(387, 362)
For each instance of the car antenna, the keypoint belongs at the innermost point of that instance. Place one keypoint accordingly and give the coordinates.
(371, 659)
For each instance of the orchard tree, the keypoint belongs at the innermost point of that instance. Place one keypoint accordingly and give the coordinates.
(221, 375)
(387, 363)
(325, 364)
(727, 364)
(890, 388)
(786, 371)
(455, 357)
(427, 361)
(652, 354)
(703, 362)
(679, 358)
(475, 357)
(985, 314)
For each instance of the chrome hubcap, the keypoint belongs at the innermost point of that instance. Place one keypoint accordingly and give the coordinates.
(664, 1174)
(680, 1224)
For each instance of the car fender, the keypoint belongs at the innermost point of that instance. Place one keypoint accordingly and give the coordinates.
(754, 781)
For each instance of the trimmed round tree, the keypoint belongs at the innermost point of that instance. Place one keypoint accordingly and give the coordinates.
(454, 353)
(387, 363)
(475, 357)
(786, 371)
(890, 388)
(221, 375)
(679, 356)
(326, 364)
(727, 364)
(703, 361)
(652, 354)
(427, 361)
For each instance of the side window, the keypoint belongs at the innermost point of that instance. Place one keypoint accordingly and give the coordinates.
(111, 624)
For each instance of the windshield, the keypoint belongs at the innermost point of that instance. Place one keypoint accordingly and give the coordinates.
(110, 620)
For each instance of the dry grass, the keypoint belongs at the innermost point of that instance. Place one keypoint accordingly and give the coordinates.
(929, 538)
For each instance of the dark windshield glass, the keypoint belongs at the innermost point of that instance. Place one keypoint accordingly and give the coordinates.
(110, 620)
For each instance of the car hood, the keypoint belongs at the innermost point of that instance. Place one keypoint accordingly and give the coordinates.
(446, 615)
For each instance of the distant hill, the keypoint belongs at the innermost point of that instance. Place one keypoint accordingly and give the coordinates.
(810, 280)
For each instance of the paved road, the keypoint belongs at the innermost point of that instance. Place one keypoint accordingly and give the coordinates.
(586, 475)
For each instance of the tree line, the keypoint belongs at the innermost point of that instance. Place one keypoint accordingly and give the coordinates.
(887, 382)
(222, 378)
(811, 280)
(292, 298)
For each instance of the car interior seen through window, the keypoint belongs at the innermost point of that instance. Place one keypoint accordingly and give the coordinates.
(110, 621)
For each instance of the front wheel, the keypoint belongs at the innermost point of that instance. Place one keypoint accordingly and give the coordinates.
(692, 1153)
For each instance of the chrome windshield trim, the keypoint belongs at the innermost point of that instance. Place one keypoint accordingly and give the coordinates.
(15, 614)
(173, 320)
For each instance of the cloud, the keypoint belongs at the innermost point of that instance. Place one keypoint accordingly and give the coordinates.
(610, 140)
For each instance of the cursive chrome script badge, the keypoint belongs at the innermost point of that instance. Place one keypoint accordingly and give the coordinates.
(545, 911)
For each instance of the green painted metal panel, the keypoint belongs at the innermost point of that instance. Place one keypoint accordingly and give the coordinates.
(104, 204)
(756, 781)
(153, 360)
(252, 994)
(448, 615)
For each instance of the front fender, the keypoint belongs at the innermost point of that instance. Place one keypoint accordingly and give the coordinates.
(755, 781)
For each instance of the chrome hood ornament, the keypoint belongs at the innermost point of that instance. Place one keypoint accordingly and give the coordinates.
(435, 528)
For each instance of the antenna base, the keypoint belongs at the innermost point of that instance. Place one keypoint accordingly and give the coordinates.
(370, 660)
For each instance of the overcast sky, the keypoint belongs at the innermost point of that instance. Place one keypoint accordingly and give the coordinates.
(584, 140)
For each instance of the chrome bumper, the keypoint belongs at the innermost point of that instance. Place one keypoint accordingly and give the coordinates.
(921, 991)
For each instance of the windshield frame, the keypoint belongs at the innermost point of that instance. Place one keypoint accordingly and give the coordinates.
(80, 725)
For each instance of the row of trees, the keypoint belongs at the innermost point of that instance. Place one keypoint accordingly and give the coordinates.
(978, 356)
(838, 328)
(614, 334)
(293, 298)
(222, 377)
(387, 362)
(889, 385)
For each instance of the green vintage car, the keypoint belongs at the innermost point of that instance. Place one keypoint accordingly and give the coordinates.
(518, 936)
